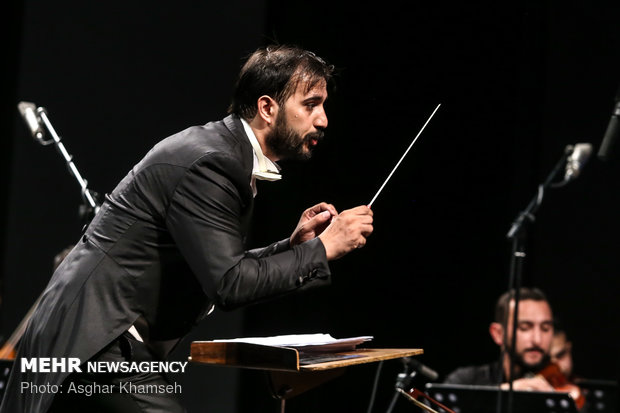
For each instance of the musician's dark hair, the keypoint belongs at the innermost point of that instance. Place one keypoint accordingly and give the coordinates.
(525, 293)
(276, 71)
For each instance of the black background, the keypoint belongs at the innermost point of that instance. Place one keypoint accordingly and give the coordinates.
(517, 82)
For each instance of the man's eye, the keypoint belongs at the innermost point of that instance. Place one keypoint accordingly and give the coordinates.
(561, 354)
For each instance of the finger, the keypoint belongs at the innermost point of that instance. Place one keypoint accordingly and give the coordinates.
(329, 207)
(321, 207)
(366, 230)
(361, 210)
(360, 219)
(320, 219)
(365, 219)
(360, 242)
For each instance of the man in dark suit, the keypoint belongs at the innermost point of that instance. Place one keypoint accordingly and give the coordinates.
(532, 344)
(168, 244)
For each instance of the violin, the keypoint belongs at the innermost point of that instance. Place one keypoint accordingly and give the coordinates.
(560, 382)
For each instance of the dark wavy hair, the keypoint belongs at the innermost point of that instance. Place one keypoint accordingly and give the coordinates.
(276, 71)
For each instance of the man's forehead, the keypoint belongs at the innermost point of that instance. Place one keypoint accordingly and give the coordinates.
(534, 310)
(307, 88)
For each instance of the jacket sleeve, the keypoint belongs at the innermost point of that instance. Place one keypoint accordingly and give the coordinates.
(204, 218)
(274, 248)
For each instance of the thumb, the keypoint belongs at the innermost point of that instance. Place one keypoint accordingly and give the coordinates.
(321, 218)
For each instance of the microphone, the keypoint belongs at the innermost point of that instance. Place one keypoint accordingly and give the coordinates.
(576, 160)
(27, 110)
(420, 368)
(612, 132)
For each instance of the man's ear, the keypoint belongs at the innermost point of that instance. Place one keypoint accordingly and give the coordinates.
(267, 109)
(497, 333)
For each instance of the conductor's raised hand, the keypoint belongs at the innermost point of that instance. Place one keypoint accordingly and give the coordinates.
(347, 231)
(313, 222)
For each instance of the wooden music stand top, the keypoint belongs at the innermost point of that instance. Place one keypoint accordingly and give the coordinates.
(290, 371)
(258, 356)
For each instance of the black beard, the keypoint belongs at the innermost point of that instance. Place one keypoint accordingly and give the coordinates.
(285, 143)
(530, 368)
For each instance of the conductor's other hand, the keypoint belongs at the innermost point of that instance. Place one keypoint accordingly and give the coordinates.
(347, 231)
(313, 222)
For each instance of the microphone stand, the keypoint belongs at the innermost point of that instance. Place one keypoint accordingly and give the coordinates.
(404, 386)
(517, 235)
(90, 206)
(403, 381)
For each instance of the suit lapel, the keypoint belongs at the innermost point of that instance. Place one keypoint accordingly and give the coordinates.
(233, 124)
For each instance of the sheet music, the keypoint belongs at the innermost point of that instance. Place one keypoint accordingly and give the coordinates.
(305, 342)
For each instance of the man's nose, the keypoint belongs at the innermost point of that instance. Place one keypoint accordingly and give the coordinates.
(537, 336)
(320, 121)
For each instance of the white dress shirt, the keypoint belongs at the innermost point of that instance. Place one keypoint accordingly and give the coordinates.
(264, 168)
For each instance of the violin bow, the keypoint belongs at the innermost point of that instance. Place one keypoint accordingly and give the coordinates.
(413, 393)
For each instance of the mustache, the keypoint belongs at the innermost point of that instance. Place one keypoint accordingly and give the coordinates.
(538, 349)
(318, 135)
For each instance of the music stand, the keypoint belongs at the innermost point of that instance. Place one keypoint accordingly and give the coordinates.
(5, 370)
(290, 371)
(601, 395)
(483, 399)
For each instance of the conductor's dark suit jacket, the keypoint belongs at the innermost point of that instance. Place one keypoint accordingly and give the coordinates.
(166, 244)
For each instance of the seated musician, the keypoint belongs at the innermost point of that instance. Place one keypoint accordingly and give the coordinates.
(561, 353)
(532, 352)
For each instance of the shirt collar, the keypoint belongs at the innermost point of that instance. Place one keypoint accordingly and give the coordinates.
(264, 168)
